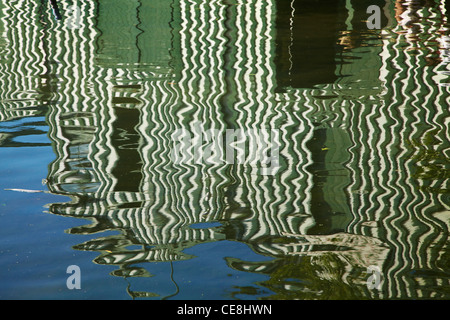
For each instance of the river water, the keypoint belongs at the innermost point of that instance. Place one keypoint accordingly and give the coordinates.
(225, 149)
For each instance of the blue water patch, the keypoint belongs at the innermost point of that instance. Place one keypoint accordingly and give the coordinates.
(206, 276)
(205, 225)
(35, 249)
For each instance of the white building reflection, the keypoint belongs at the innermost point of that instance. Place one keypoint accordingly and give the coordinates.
(357, 185)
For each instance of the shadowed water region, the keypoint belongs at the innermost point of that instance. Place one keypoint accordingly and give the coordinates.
(115, 119)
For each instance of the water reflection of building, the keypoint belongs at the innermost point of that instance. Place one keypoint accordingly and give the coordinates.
(324, 218)
(124, 174)
(404, 126)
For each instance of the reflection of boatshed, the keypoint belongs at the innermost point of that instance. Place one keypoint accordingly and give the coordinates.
(115, 159)
(120, 173)
(111, 118)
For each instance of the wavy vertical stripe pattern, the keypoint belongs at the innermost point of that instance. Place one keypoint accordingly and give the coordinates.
(113, 102)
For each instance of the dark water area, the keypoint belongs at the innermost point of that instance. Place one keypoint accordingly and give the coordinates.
(225, 150)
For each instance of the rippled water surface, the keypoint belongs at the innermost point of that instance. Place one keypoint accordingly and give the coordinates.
(114, 126)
